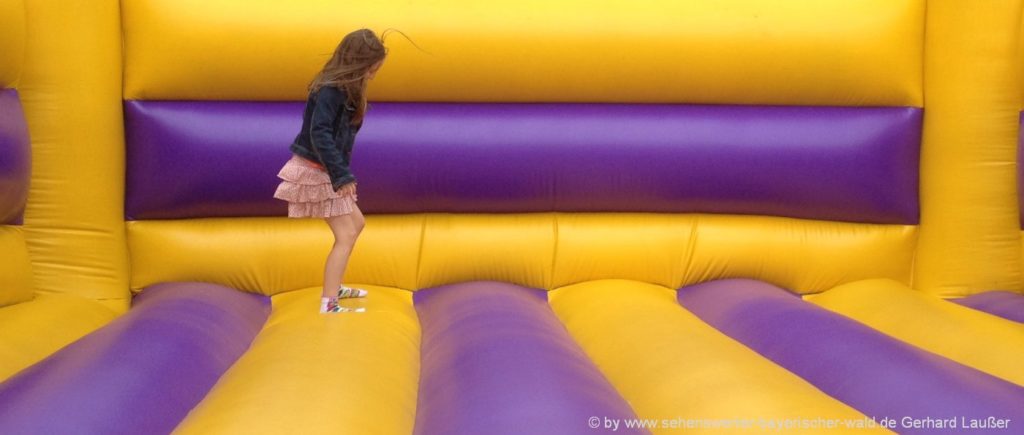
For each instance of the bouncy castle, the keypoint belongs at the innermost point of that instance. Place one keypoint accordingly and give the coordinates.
(713, 216)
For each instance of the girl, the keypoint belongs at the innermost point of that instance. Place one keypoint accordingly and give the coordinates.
(317, 181)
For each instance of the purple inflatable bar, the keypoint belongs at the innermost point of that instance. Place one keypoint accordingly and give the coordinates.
(496, 360)
(858, 164)
(870, 371)
(1005, 304)
(140, 374)
(15, 161)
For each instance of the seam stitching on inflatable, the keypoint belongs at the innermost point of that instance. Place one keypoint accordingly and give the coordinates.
(554, 253)
(691, 247)
(419, 256)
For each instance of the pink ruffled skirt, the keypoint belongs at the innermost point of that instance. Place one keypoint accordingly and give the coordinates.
(307, 188)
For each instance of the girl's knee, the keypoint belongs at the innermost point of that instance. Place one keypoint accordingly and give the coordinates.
(341, 247)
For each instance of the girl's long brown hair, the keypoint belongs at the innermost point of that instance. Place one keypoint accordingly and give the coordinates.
(349, 67)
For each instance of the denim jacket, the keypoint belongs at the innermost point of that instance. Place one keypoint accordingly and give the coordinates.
(327, 135)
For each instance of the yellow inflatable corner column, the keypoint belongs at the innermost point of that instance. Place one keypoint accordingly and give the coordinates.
(980, 340)
(310, 373)
(12, 42)
(33, 330)
(668, 364)
(970, 230)
(15, 271)
(71, 91)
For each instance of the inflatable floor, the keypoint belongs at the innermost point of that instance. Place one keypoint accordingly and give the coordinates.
(737, 216)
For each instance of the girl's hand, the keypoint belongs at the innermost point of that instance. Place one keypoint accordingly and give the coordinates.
(348, 189)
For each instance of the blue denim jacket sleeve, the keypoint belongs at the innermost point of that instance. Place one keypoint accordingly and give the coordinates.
(329, 105)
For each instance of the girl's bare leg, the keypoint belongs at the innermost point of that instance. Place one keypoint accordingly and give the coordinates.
(346, 229)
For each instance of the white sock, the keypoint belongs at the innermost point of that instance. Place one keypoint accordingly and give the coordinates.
(353, 292)
(323, 304)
